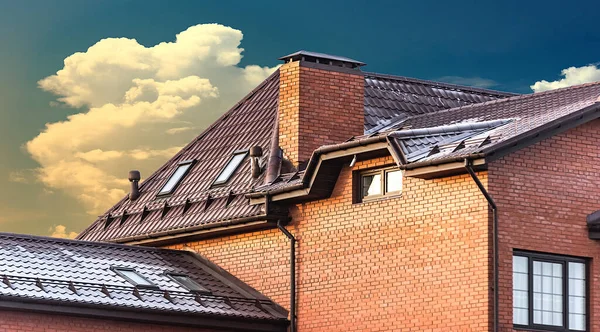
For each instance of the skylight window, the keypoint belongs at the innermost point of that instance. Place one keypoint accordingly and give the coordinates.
(187, 283)
(175, 179)
(231, 167)
(133, 277)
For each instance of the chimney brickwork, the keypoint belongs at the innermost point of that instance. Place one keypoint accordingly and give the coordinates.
(318, 105)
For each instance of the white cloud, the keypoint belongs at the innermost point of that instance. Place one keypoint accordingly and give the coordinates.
(571, 76)
(18, 177)
(132, 95)
(174, 131)
(477, 82)
(60, 231)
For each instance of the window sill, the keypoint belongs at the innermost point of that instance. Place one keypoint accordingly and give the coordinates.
(379, 198)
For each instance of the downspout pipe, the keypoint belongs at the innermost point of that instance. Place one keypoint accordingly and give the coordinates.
(492, 204)
(292, 266)
(292, 275)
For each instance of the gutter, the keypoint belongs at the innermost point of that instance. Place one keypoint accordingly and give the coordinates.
(492, 204)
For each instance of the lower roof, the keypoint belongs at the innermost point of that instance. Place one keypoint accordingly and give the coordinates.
(56, 274)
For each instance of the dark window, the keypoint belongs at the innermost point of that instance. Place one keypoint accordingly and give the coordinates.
(379, 183)
(549, 292)
(188, 283)
(176, 177)
(133, 277)
(232, 165)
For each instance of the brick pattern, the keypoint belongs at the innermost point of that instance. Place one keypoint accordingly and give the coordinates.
(317, 107)
(16, 321)
(544, 193)
(417, 262)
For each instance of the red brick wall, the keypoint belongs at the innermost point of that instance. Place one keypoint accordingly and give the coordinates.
(16, 321)
(544, 193)
(317, 107)
(411, 263)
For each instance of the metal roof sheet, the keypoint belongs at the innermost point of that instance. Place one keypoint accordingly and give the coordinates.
(79, 272)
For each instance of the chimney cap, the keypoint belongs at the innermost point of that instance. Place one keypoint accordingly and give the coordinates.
(322, 58)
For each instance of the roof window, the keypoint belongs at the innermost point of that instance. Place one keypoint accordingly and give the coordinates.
(175, 179)
(187, 283)
(133, 277)
(232, 165)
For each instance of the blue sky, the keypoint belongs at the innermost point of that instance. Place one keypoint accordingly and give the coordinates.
(504, 45)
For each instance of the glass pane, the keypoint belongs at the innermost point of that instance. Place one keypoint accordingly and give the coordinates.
(230, 168)
(537, 268)
(519, 281)
(521, 316)
(188, 283)
(393, 181)
(175, 179)
(577, 322)
(371, 185)
(576, 287)
(520, 264)
(136, 278)
(576, 270)
(576, 305)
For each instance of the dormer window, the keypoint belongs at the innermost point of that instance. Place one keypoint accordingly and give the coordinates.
(232, 165)
(133, 277)
(176, 177)
(379, 183)
(188, 283)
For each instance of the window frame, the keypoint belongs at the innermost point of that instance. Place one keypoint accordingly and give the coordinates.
(382, 171)
(118, 269)
(202, 290)
(180, 164)
(564, 260)
(216, 183)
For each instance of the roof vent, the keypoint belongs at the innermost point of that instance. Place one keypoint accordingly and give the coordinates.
(134, 178)
(255, 153)
(332, 60)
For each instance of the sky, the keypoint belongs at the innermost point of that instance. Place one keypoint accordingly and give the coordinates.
(92, 89)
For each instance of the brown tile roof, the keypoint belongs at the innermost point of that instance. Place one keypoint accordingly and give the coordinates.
(195, 205)
(79, 273)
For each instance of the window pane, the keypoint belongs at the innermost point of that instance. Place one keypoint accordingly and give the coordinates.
(136, 278)
(520, 294)
(520, 264)
(547, 298)
(175, 178)
(393, 181)
(577, 303)
(371, 185)
(188, 283)
(230, 168)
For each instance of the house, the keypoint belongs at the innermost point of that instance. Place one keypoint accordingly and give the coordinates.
(370, 202)
(64, 285)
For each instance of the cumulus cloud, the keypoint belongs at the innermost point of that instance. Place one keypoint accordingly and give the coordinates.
(18, 177)
(477, 82)
(60, 231)
(571, 76)
(132, 95)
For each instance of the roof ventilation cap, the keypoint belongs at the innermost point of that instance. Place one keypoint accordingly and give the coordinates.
(134, 178)
(332, 60)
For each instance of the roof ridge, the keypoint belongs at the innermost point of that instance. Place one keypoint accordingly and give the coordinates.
(443, 84)
(509, 99)
(43, 238)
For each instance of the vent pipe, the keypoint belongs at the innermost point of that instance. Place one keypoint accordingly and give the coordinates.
(134, 178)
(255, 153)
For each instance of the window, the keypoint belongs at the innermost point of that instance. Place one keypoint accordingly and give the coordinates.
(379, 183)
(187, 283)
(232, 165)
(133, 277)
(175, 179)
(549, 292)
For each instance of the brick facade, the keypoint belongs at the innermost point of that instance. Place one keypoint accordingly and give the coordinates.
(317, 107)
(544, 193)
(16, 321)
(415, 262)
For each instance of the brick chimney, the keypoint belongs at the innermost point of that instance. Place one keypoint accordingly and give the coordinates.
(321, 101)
